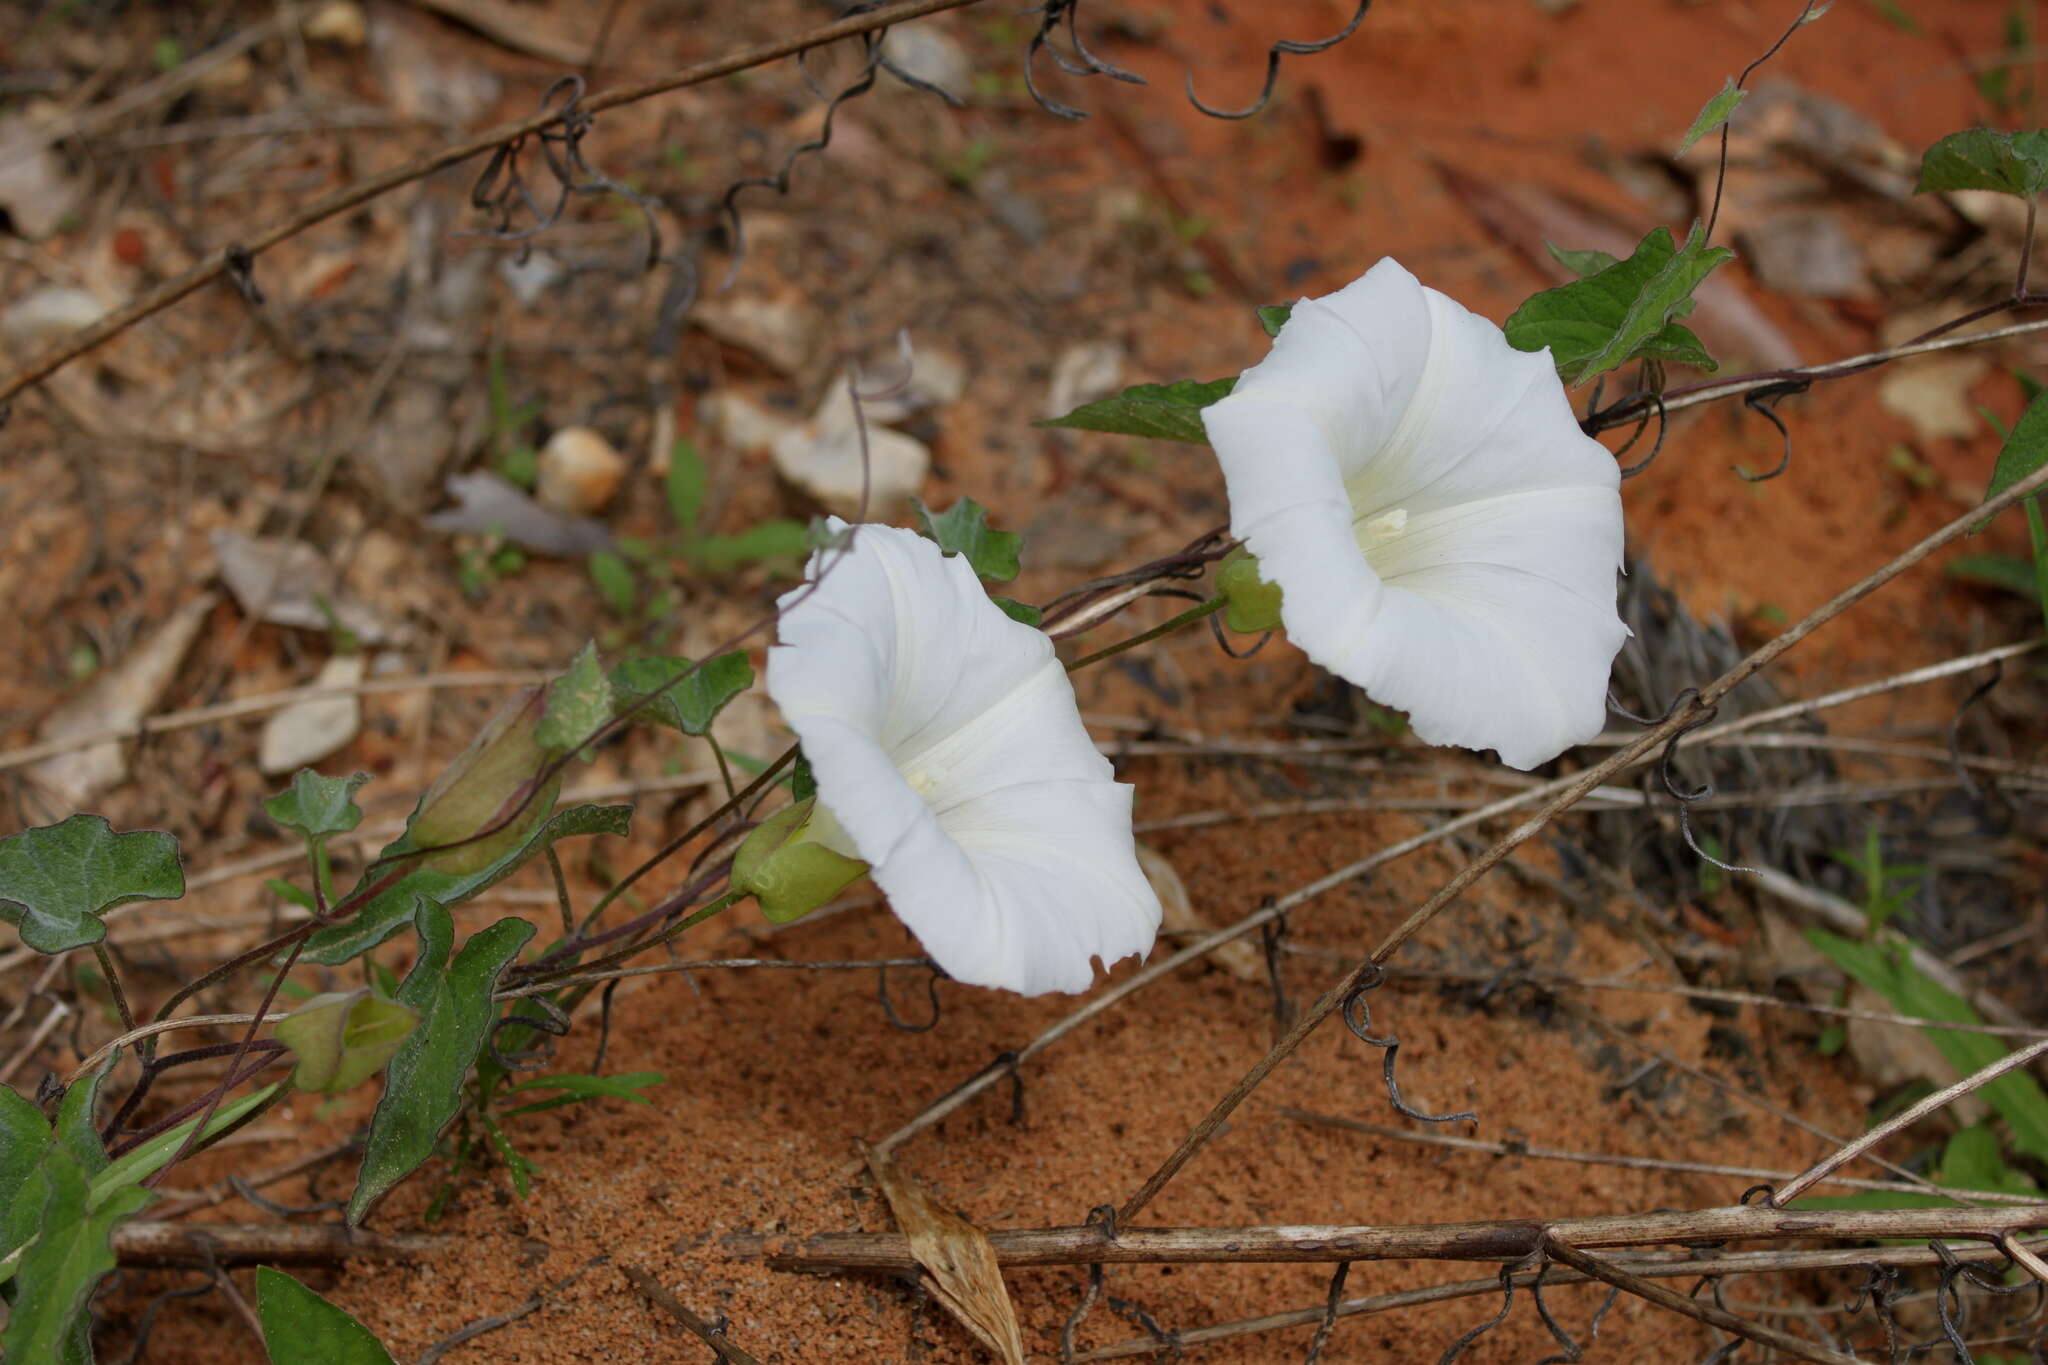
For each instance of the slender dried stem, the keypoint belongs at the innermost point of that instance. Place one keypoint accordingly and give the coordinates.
(1502, 1240)
(1906, 1118)
(1670, 1299)
(1561, 795)
(341, 201)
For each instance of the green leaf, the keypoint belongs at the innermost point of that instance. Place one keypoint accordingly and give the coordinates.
(343, 1038)
(77, 1128)
(780, 539)
(392, 909)
(314, 807)
(73, 1248)
(301, 1328)
(24, 1139)
(57, 880)
(1995, 571)
(963, 529)
(133, 1167)
(1712, 115)
(520, 1169)
(579, 703)
(685, 485)
(423, 1083)
(1889, 971)
(1581, 263)
(692, 704)
(2025, 449)
(1018, 611)
(1985, 159)
(1971, 1160)
(615, 582)
(1165, 412)
(1273, 316)
(1626, 311)
(803, 783)
(578, 1087)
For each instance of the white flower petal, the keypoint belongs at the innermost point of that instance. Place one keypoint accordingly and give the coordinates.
(1443, 534)
(947, 746)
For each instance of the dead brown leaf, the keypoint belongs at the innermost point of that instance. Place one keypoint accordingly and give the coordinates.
(960, 1265)
(1236, 957)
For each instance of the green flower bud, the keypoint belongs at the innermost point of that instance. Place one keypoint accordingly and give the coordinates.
(783, 865)
(488, 781)
(1250, 603)
(343, 1038)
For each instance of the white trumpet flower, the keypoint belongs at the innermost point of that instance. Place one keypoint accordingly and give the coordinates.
(949, 755)
(1442, 532)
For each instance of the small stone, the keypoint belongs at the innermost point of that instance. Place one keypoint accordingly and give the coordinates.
(1085, 371)
(822, 460)
(306, 732)
(1933, 394)
(782, 332)
(36, 191)
(739, 422)
(406, 446)
(924, 52)
(530, 278)
(50, 312)
(1806, 252)
(579, 472)
(228, 76)
(338, 21)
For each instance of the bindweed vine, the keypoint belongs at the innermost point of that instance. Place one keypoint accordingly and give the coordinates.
(1413, 503)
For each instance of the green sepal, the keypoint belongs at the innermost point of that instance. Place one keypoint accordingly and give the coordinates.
(1251, 605)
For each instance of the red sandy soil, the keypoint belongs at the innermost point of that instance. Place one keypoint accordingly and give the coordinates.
(772, 1077)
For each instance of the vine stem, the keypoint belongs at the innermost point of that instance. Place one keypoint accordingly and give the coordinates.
(1563, 794)
(100, 1053)
(1188, 617)
(1692, 395)
(1496, 1240)
(341, 201)
(1902, 1120)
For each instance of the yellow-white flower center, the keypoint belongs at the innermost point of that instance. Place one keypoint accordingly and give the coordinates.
(1382, 529)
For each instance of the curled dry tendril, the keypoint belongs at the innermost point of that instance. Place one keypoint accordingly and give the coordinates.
(1357, 1011)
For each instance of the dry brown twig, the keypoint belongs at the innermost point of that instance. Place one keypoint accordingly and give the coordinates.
(1499, 1240)
(61, 353)
(1561, 795)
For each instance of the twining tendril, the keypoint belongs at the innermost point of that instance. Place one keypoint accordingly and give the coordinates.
(1755, 401)
(778, 181)
(1507, 1303)
(551, 1023)
(1573, 1352)
(931, 989)
(241, 272)
(1286, 47)
(1948, 1297)
(1357, 1011)
(1053, 16)
(1955, 731)
(1102, 1216)
(1882, 1287)
(501, 190)
(1657, 410)
(1329, 1323)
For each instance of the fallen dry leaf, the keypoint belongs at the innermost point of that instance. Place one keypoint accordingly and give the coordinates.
(306, 732)
(119, 697)
(290, 583)
(960, 1265)
(1237, 957)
